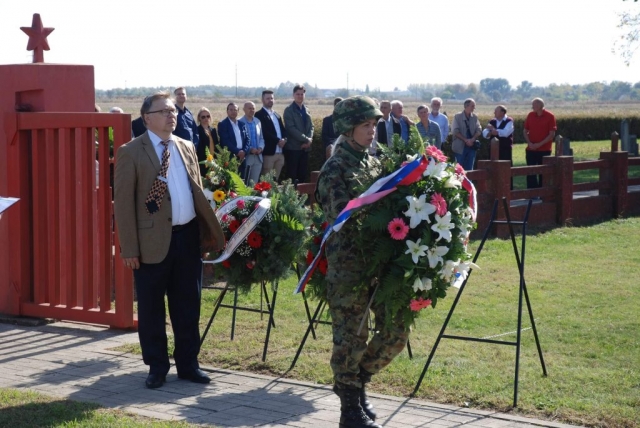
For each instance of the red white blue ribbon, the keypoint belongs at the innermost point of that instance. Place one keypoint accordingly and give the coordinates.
(409, 173)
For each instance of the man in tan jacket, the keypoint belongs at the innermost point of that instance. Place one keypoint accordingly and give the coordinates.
(164, 224)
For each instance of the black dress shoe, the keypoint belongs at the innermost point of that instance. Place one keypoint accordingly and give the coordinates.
(197, 376)
(154, 380)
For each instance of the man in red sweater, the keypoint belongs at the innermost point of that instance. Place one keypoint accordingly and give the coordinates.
(539, 131)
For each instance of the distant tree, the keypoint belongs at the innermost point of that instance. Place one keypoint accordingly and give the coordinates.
(366, 90)
(496, 95)
(489, 85)
(524, 88)
(629, 41)
(344, 93)
(472, 89)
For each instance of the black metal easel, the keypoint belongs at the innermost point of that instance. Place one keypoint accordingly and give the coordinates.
(315, 320)
(271, 305)
(523, 292)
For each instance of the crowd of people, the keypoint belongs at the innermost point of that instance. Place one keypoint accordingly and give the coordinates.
(165, 222)
(265, 141)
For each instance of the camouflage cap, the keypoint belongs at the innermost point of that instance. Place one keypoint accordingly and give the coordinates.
(353, 111)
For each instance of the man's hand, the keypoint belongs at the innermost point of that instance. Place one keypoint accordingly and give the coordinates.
(310, 140)
(407, 120)
(131, 262)
(241, 155)
(282, 142)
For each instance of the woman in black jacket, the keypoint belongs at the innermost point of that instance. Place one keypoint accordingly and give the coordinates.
(208, 137)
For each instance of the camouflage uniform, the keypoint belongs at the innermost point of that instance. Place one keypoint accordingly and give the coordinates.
(346, 295)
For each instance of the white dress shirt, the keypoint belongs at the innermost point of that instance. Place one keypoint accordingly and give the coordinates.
(505, 132)
(236, 130)
(182, 208)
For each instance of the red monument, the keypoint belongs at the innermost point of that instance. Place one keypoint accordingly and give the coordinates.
(56, 251)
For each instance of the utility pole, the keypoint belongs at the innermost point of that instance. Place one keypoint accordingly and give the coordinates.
(347, 84)
(236, 80)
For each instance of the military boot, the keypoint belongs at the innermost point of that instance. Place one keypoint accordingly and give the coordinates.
(365, 377)
(351, 413)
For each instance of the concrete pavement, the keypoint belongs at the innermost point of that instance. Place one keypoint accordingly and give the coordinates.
(69, 360)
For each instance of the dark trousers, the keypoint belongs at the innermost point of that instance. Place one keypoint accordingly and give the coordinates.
(505, 153)
(535, 158)
(297, 164)
(177, 276)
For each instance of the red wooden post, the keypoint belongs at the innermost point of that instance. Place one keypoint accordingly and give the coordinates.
(499, 186)
(495, 149)
(614, 141)
(618, 176)
(562, 182)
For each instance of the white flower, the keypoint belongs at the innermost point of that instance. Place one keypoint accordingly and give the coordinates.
(434, 254)
(443, 226)
(419, 210)
(448, 270)
(461, 272)
(412, 158)
(422, 284)
(436, 170)
(453, 182)
(416, 250)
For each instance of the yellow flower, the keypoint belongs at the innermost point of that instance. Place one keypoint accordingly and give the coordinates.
(219, 196)
(209, 158)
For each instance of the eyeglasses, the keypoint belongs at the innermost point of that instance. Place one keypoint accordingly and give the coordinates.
(205, 117)
(165, 112)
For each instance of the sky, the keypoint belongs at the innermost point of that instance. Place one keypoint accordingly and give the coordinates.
(328, 43)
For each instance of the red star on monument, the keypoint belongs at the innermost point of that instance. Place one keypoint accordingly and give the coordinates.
(37, 38)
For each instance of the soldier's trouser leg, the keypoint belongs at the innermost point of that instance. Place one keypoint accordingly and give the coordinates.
(386, 344)
(347, 307)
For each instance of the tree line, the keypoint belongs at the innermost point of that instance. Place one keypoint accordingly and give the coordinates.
(488, 90)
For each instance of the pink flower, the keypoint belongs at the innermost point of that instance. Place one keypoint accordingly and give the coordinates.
(398, 229)
(240, 204)
(459, 169)
(233, 194)
(435, 153)
(441, 205)
(225, 218)
(419, 304)
(252, 263)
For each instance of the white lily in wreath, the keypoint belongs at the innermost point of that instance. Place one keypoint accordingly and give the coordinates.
(422, 284)
(443, 226)
(434, 254)
(416, 250)
(419, 209)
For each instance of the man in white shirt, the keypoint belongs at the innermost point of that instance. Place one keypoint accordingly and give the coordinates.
(253, 160)
(274, 134)
(501, 127)
(234, 136)
(440, 118)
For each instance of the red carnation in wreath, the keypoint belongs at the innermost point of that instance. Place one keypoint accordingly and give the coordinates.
(309, 257)
(254, 240)
(226, 264)
(322, 266)
(262, 186)
(233, 226)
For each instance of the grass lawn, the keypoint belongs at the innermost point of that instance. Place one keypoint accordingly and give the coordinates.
(28, 409)
(582, 151)
(583, 288)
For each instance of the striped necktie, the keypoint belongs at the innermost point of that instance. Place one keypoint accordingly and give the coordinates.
(154, 200)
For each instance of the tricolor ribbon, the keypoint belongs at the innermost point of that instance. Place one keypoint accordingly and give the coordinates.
(264, 204)
(408, 174)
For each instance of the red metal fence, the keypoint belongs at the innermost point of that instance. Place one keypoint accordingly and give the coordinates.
(60, 243)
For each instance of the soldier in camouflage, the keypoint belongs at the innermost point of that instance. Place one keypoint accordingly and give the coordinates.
(353, 361)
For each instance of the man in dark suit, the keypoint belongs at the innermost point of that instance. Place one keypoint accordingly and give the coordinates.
(274, 133)
(329, 134)
(387, 125)
(299, 136)
(164, 224)
(234, 136)
(137, 127)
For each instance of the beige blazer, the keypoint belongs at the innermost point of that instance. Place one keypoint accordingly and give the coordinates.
(145, 235)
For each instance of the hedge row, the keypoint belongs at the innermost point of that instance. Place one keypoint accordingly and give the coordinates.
(574, 128)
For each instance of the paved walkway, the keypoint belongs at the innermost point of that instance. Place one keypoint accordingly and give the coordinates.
(71, 360)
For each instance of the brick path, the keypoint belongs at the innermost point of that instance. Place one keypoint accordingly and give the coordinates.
(72, 361)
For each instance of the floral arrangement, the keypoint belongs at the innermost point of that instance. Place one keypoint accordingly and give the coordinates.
(264, 226)
(318, 226)
(415, 238)
(222, 182)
